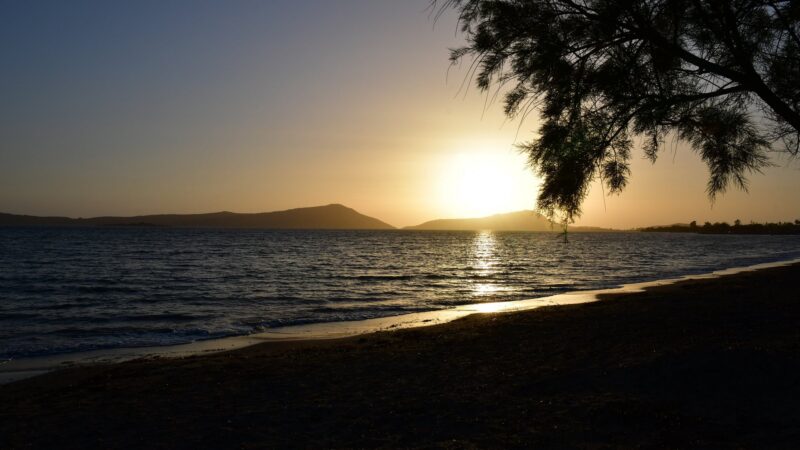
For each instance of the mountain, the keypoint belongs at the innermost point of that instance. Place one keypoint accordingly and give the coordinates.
(319, 217)
(513, 221)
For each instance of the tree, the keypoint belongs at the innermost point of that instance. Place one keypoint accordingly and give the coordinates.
(721, 75)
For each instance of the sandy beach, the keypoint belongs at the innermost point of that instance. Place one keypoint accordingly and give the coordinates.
(702, 363)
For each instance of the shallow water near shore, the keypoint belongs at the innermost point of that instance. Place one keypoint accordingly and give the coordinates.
(76, 290)
(13, 370)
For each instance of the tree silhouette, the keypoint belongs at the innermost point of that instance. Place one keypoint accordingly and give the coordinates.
(722, 75)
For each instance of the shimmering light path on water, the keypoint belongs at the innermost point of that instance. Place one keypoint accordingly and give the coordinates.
(64, 290)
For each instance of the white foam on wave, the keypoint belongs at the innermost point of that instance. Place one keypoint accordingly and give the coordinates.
(13, 370)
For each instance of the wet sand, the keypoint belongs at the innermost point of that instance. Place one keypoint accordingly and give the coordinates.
(701, 363)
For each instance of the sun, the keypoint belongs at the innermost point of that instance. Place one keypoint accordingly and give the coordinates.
(484, 182)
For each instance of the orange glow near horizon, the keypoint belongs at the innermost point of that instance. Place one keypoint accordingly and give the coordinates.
(270, 108)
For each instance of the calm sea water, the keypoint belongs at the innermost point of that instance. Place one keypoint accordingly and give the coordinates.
(65, 289)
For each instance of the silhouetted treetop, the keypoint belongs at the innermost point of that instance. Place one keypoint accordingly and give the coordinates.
(723, 76)
(725, 228)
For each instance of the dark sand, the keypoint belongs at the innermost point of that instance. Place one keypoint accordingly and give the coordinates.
(711, 363)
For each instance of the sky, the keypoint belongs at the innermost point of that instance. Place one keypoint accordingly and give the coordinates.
(147, 107)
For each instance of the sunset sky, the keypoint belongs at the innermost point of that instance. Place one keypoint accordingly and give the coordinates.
(125, 108)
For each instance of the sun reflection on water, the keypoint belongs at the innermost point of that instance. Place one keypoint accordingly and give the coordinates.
(485, 289)
(484, 263)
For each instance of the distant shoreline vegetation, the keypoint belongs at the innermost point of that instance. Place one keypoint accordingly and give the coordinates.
(725, 228)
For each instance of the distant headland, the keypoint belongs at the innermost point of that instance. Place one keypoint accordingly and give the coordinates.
(331, 217)
(513, 221)
(340, 217)
(726, 228)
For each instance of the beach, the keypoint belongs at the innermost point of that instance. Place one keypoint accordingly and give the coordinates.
(710, 363)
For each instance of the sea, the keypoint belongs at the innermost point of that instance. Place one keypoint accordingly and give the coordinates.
(67, 290)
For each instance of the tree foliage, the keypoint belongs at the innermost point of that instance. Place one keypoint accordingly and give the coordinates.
(722, 75)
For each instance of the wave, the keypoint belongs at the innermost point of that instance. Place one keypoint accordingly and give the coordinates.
(120, 288)
(376, 277)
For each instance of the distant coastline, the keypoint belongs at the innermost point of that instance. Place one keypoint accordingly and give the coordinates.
(340, 217)
(334, 216)
(726, 228)
(513, 221)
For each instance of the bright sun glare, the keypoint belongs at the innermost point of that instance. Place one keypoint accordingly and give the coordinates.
(481, 183)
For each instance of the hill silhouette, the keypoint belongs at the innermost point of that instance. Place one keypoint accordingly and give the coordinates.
(513, 221)
(334, 216)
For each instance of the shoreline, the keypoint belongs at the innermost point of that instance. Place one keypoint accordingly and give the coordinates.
(19, 369)
(708, 362)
